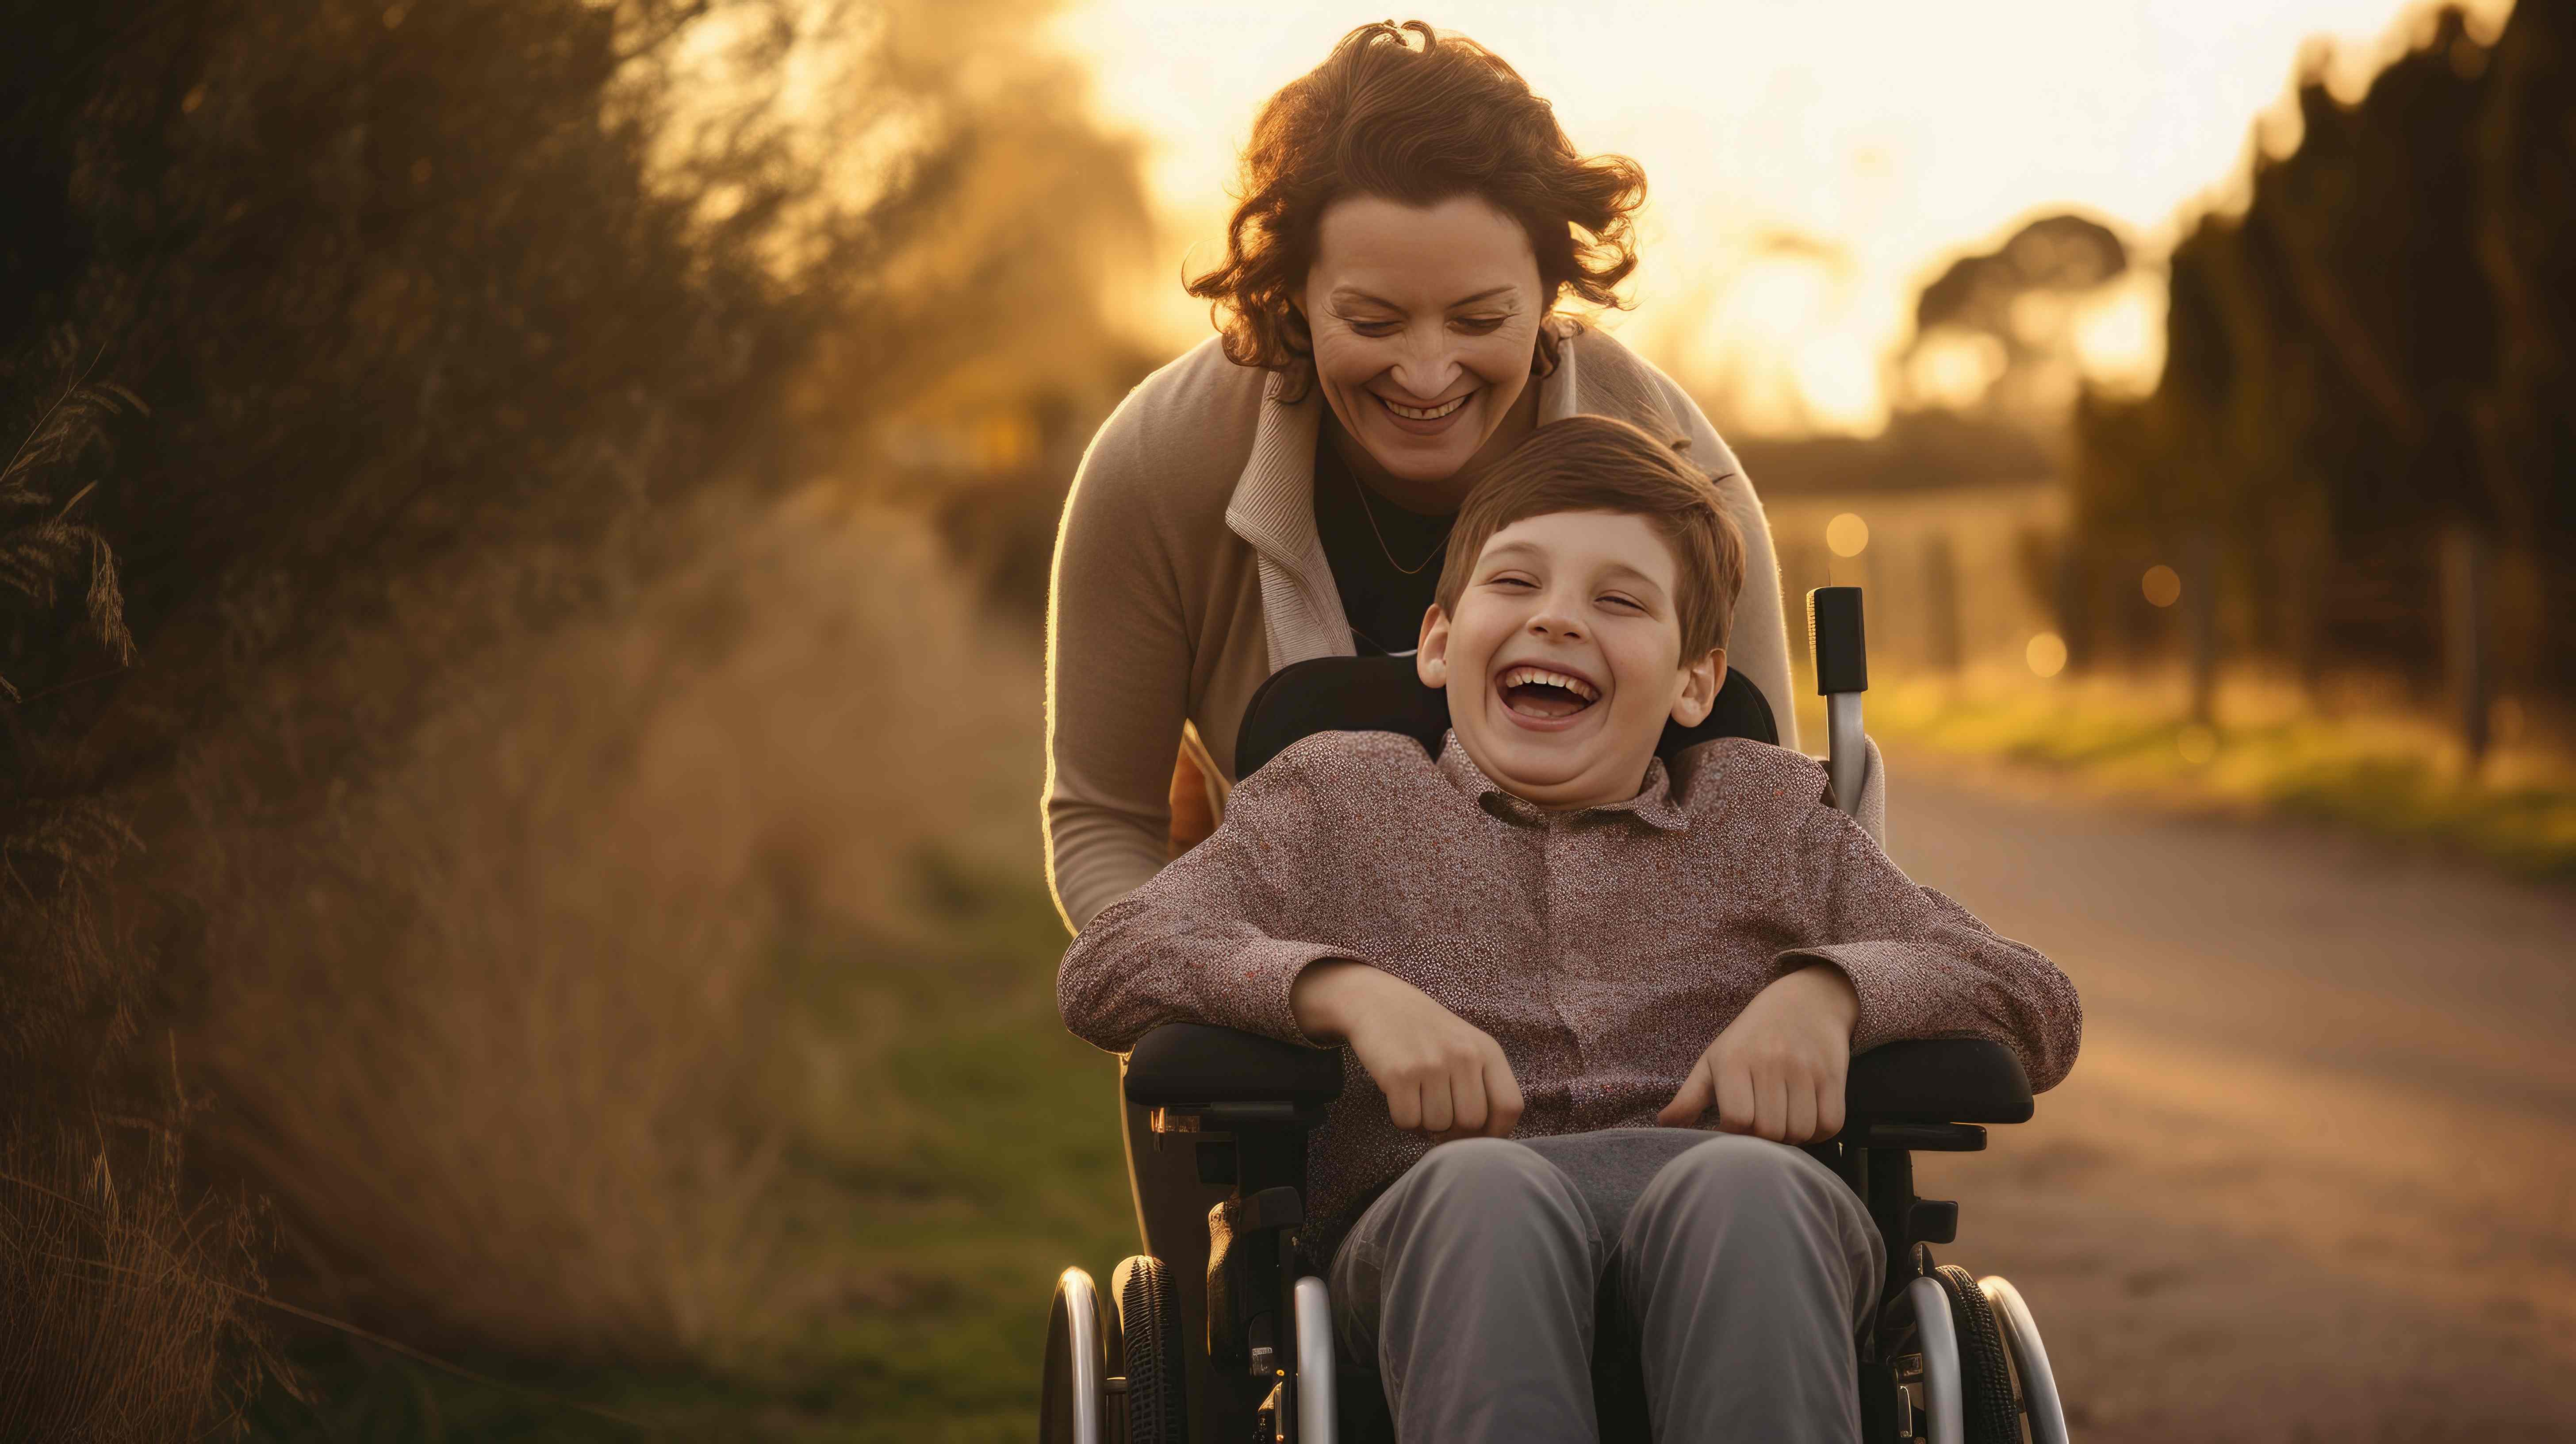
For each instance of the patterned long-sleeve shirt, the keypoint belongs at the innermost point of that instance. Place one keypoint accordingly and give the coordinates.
(1603, 948)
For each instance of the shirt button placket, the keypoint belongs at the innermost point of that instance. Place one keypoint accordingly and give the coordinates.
(1568, 962)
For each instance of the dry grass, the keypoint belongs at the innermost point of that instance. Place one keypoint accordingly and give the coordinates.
(507, 1034)
(2366, 760)
(123, 1320)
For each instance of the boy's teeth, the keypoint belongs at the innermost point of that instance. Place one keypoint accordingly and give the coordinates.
(1524, 676)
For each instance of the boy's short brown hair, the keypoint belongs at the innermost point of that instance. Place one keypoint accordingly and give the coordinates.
(1600, 463)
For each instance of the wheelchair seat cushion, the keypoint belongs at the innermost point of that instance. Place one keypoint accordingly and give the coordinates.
(1382, 694)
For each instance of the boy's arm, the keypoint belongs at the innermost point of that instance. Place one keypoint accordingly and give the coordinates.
(1212, 937)
(1215, 937)
(1921, 965)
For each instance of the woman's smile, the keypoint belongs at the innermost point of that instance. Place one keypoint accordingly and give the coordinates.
(1424, 420)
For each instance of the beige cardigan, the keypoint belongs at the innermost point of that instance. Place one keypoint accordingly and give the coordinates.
(1188, 569)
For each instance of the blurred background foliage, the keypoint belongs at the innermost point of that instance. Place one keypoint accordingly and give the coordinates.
(491, 718)
(2372, 353)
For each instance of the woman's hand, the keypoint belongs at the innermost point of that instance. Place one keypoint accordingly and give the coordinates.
(1777, 1071)
(1441, 1075)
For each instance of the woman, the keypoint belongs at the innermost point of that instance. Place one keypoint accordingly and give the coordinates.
(1412, 216)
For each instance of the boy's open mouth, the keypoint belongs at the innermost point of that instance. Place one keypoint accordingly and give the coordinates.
(1543, 693)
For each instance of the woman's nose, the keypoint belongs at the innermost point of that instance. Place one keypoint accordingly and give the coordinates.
(1427, 367)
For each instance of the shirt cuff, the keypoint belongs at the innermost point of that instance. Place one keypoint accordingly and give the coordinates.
(1879, 976)
(1252, 994)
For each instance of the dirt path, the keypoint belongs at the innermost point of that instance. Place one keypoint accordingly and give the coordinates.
(2314, 1176)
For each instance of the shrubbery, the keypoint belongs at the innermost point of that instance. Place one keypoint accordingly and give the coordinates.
(410, 391)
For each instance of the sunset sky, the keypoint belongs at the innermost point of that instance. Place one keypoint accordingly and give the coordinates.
(1899, 135)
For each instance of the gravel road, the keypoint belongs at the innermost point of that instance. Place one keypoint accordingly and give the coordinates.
(2314, 1175)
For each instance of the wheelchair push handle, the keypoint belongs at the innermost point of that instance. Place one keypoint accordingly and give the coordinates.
(1841, 648)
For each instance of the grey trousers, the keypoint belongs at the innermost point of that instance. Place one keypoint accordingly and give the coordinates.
(1739, 1272)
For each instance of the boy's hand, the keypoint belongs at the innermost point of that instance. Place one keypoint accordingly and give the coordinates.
(1777, 1071)
(1441, 1075)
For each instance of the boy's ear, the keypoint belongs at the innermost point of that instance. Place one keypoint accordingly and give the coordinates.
(1431, 656)
(1700, 681)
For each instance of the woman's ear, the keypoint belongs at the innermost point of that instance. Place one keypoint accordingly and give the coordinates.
(1431, 655)
(1700, 681)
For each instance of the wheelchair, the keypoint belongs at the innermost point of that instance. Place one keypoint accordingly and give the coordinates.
(1221, 1330)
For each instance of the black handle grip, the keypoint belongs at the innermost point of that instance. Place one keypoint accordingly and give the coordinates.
(1841, 645)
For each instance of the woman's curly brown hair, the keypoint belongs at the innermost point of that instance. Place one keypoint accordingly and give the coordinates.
(1417, 125)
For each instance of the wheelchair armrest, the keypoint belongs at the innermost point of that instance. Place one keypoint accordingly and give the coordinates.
(1937, 1080)
(1193, 1065)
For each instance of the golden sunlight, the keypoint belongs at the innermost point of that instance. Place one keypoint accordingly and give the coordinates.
(1890, 139)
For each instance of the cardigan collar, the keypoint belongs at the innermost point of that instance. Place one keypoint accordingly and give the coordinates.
(1654, 804)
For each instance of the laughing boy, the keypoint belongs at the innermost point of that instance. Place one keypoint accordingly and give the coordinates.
(1560, 962)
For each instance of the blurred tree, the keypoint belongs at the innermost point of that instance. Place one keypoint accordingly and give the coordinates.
(2526, 247)
(2344, 358)
(1994, 334)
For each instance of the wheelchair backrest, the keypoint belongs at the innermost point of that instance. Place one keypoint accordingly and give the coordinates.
(1382, 694)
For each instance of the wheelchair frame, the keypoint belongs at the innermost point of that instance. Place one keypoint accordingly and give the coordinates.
(1950, 1359)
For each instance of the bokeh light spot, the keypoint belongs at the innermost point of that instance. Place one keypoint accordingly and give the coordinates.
(2162, 584)
(2046, 654)
(1847, 534)
(2196, 743)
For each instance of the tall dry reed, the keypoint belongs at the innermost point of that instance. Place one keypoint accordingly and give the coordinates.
(508, 1033)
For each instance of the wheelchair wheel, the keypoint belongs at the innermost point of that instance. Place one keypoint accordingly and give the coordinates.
(1987, 1411)
(2031, 1373)
(1149, 1349)
(1075, 1376)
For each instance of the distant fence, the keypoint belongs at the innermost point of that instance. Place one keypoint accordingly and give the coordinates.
(1955, 577)
(1987, 576)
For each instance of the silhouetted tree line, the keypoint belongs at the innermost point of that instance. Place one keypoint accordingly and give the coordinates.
(317, 313)
(2374, 354)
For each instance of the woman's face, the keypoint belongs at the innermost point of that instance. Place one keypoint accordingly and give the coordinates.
(1424, 320)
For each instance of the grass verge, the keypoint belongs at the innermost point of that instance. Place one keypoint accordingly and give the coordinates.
(2375, 771)
(976, 1162)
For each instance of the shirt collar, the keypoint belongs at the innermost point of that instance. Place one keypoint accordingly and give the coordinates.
(1654, 804)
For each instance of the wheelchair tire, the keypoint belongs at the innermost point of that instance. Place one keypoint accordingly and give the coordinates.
(1071, 1377)
(1987, 1411)
(1150, 1353)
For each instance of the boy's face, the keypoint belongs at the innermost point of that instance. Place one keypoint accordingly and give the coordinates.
(1564, 659)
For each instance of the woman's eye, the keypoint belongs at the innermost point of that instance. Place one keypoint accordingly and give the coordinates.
(1374, 328)
(1480, 325)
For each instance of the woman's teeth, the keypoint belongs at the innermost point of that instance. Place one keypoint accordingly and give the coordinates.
(1416, 413)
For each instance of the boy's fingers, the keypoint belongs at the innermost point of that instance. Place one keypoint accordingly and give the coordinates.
(1734, 1097)
(1436, 1114)
(1696, 1094)
(1404, 1106)
(1503, 1098)
(1829, 1105)
(1770, 1107)
(1467, 1103)
(1802, 1113)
